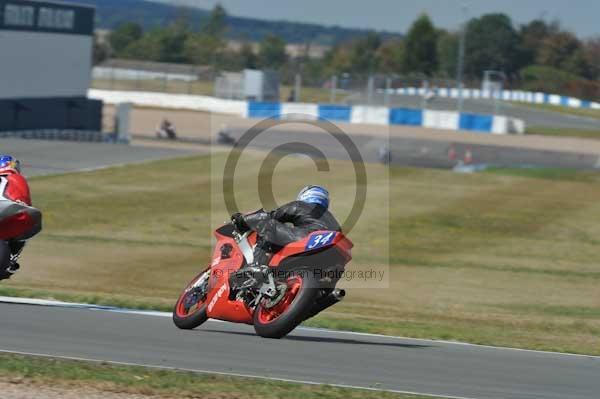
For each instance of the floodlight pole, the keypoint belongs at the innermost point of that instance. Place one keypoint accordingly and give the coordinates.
(461, 59)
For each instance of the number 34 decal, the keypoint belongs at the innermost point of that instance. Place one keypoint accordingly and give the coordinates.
(320, 240)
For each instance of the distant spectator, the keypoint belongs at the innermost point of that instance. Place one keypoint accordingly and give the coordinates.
(292, 97)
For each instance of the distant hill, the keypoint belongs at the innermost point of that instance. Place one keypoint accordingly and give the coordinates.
(110, 13)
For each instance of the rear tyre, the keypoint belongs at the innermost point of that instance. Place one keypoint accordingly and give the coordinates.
(190, 309)
(279, 320)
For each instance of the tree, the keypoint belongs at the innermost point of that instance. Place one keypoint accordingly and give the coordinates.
(202, 49)
(492, 43)
(390, 55)
(272, 52)
(172, 41)
(563, 50)
(160, 44)
(248, 58)
(592, 56)
(533, 35)
(363, 56)
(447, 53)
(337, 60)
(217, 22)
(100, 51)
(420, 47)
(124, 36)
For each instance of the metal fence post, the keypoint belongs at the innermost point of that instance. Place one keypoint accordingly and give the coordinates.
(297, 87)
(165, 80)
(190, 80)
(388, 89)
(112, 78)
(334, 81)
(370, 88)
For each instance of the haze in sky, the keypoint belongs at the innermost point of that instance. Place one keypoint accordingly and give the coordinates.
(579, 16)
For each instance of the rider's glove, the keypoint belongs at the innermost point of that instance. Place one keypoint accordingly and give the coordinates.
(240, 224)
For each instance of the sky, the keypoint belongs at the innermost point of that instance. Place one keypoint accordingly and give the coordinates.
(579, 16)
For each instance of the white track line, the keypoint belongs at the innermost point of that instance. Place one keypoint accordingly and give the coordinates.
(223, 373)
(51, 303)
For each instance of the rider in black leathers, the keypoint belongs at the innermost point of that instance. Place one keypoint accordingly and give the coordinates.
(288, 223)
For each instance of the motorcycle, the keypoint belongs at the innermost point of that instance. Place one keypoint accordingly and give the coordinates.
(166, 131)
(298, 283)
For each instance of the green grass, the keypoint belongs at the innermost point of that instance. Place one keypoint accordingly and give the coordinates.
(548, 173)
(168, 384)
(563, 132)
(585, 112)
(478, 258)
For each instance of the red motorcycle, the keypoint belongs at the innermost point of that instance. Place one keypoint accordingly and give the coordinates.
(298, 283)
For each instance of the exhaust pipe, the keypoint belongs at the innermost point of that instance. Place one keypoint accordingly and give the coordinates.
(338, 294)
(334, 297)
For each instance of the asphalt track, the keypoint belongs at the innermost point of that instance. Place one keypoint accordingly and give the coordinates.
(307, 355)
(42, 157)
(417, 152)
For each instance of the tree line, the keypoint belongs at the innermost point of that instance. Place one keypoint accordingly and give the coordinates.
(539, 55)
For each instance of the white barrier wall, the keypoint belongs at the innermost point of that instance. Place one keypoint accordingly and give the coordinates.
(371, 115)
(348, 114)
(440, 120)
(505, 95)
(500, 125)
(300, 111)
(174, 101)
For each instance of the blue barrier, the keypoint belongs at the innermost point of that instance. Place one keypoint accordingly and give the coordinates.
(335, 112)
(406, 116)
(263, 110)
(506, 95)
(476, 122)
(397, 116)
(546, 98)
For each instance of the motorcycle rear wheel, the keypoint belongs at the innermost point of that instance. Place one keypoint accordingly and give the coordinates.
(279, 320)
(190, 311)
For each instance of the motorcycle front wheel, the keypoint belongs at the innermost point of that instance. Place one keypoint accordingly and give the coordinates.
(280, 319)
(190, 308)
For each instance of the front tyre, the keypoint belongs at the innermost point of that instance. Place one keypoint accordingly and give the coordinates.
(190, 309)
(278, 320)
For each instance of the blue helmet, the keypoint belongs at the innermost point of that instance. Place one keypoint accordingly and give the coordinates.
(9, 163)
(314, 195)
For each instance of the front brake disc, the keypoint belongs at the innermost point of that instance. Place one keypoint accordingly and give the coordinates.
(271, 302)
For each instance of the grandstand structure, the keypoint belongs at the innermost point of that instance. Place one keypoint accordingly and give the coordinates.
(45, 68)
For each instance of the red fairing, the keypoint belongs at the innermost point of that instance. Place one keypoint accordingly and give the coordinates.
(219, 306)
(17, 188)
(16, 226)
(18, 219)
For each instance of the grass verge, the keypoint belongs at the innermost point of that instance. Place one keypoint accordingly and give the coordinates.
(548, 174)
(562, 132)
(585, 112)
(168, 384)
